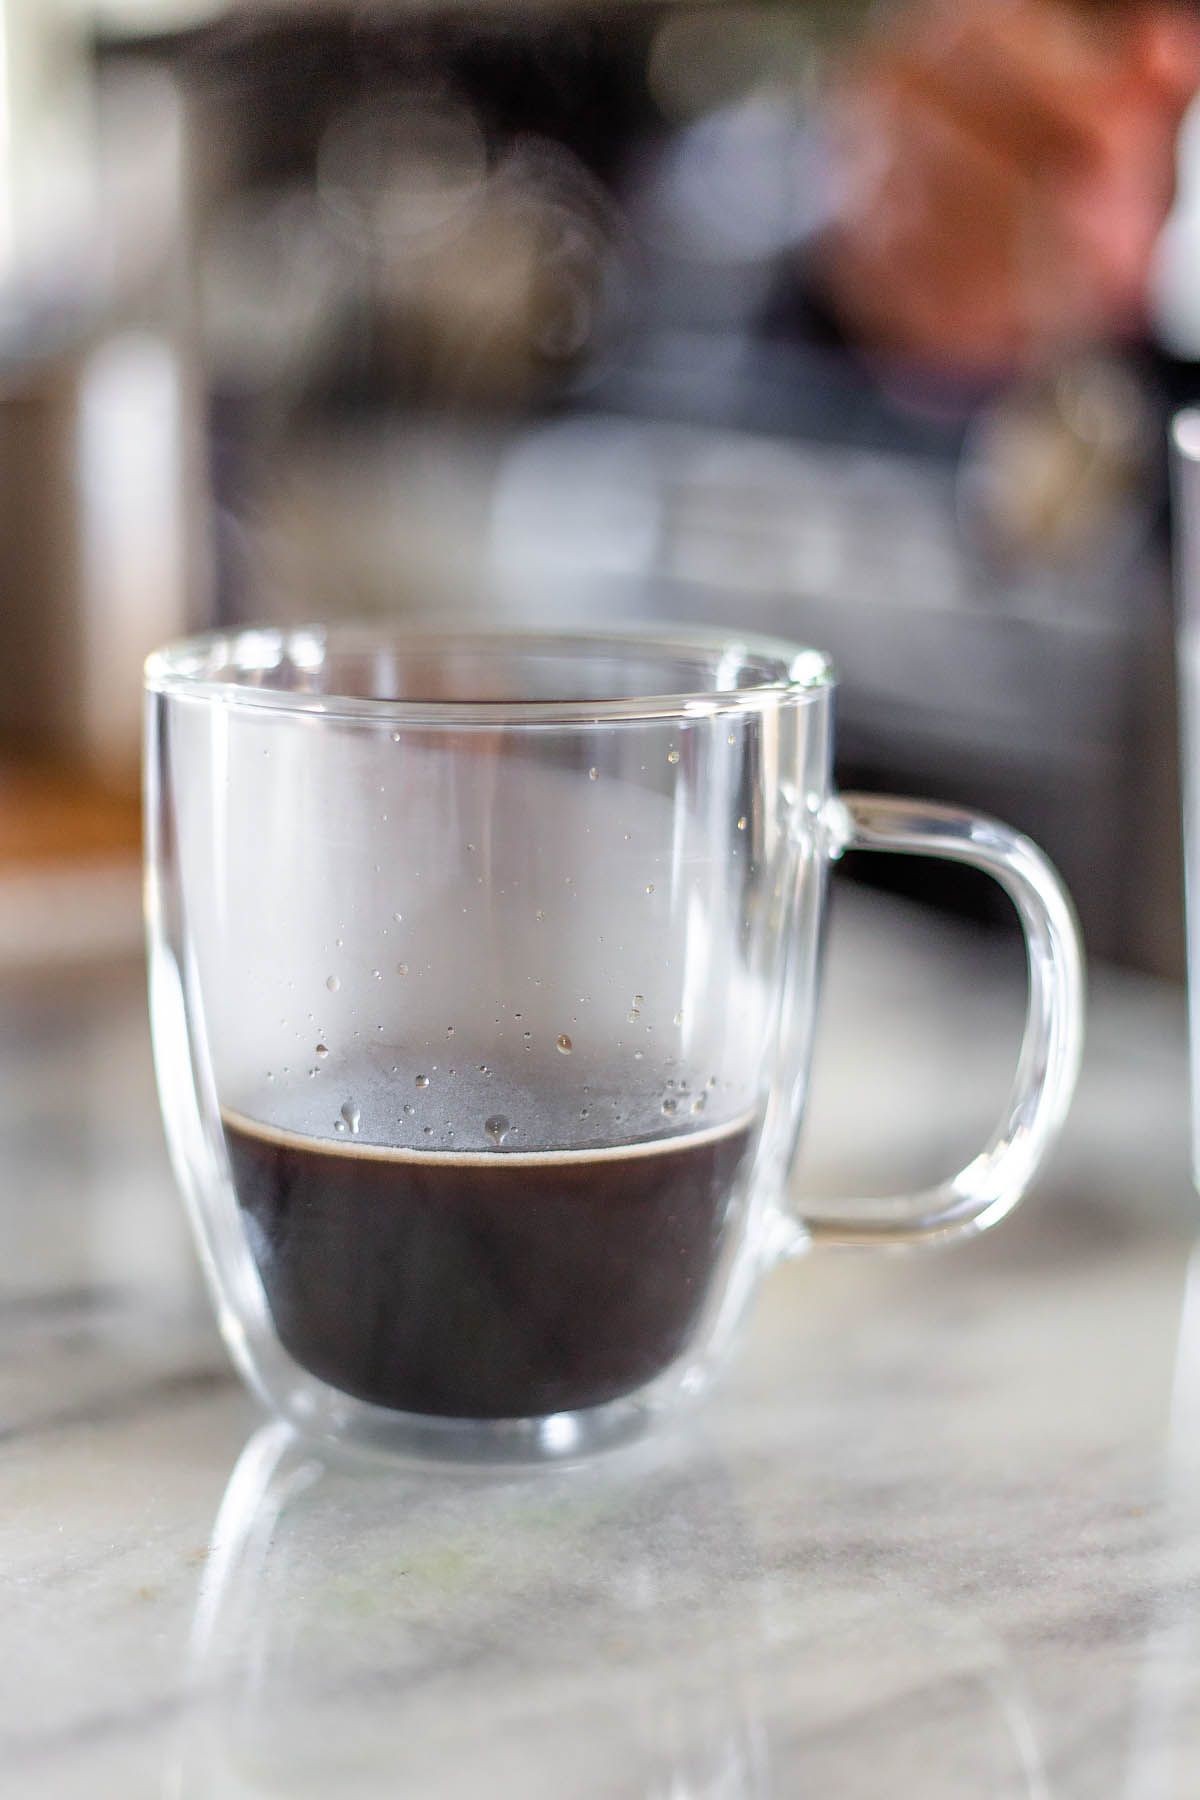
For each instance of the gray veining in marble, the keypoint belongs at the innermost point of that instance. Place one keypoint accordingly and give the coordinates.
(936, 1535)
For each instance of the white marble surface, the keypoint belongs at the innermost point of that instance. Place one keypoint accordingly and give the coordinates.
(937, 1535)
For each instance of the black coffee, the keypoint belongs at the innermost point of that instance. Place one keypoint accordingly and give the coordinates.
(485, 1284)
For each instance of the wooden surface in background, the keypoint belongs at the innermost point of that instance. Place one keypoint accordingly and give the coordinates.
(50, 815)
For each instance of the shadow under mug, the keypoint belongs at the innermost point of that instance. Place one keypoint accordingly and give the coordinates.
(483, 975)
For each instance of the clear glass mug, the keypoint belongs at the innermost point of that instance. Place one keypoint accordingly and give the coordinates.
(483, 975)
(1185, 471)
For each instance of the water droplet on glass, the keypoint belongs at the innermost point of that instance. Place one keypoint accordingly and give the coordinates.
(563, 1044)
(398, 918)
(339, 943)
(471, 847)
(633, 1014)
(639, 999)
(378, 974)
(583, 1112)
(669, 1105)
(408, 1106)
(678, 1019)
(402, 968)
(449, 1031)
(422, 1081)
(496, 1128)
(339, 1124)
(539, 915)
(428, 1130)
(731, 739)
(322, 1050)
(593, 774)
(351, 1114)
(672, 756)
(332, 983)
(742, 823)
(698, 1104)
(483, 1069)
(649, 887)
(637, 1056)
(395, 737)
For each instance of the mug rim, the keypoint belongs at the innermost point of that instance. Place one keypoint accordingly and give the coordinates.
(226, 666)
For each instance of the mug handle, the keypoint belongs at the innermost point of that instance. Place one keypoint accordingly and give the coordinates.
(995, 1180)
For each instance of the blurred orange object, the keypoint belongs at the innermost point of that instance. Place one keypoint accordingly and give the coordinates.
(48, 815)
(1003, 169)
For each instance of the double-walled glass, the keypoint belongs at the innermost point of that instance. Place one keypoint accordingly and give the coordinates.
(483, 978)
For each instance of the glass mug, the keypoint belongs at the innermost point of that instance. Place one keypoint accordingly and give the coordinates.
(483, 973)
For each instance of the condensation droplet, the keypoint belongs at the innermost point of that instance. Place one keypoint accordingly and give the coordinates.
(639, 999)
(332, 983)
(593, 774)
(339, 943)
(497, 1128)
(422, 1081)
(678, 1019)
(402, 968)
(395, 737)
(471, 847)
(649, 887)
(633, 1014)
(398, 918)
(563, 1044)
(378, 974)
(698, 1104)
(742, 823)
(339, 1124)
(669, 1105)
(539, 915)
(408, 1106)
(731, 739)
(672, 756)
(583, 1112)
(637, 1056)
(322, 1050)
(351, 1114)
(449, 1031)
(483, 1069)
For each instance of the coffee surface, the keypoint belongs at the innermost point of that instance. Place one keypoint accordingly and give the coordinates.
(485, 1283)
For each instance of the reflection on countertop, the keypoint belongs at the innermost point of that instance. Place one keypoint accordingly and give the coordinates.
(935, 1533)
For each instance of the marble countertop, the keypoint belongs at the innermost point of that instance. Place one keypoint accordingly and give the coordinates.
(936, 1535)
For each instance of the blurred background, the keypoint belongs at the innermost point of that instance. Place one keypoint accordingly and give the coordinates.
(858, 324)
